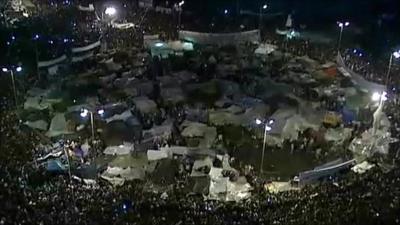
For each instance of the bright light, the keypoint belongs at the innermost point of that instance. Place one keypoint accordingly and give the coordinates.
(268, 128)
(159, 44)
(181, 3)
(347, 24)
(378, 96)
(84, 113)
(100, 112)
(4, 69)
(110, 11)
(396, 54)
(18, 69)
(258, 121)
(265, 6)
(270, 122)
(340, 24)
(226, 11)
(36, 37)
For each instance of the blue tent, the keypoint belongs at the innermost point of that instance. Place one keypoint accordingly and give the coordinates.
(348, 116)
(54, 165)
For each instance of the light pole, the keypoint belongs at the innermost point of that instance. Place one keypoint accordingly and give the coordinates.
(263, 7)
(341, 25)
(267, 128)
(180, 4)
(36, 39)
(396, 55)
(17, 69)
(84, 114)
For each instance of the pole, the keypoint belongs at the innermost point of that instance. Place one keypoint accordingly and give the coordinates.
(179, 18)
(263, 150)
(14, 89)
(389, 69)
(37, 60)
(260, 19)
(340, 38)
(92, 124)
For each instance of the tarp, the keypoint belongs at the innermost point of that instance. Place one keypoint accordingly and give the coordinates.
(54, 165)
(58, 126)
(265, 49)
(145, 105)
(358, 79)
(220, 38)
(123, 116)
(52, 61)
(39, 124)
(124, 149)
(153, 155)
(362, 167)
(86, 48)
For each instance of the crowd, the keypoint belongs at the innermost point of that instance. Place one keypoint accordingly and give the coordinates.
(30, 195)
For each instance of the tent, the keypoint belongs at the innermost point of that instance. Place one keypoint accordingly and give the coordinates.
(124, 149)
(145, 105)
(58, 126)
(55, 166)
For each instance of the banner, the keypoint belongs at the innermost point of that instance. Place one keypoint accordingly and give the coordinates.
(123, 26)
(146, 3)
(220, 38)
(163, 10)
(90, 8)
(51, 62)
(360, 81)
(86, 48)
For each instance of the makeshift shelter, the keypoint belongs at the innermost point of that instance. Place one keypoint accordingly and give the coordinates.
(123, 149)
(145, 105)
(58, 126)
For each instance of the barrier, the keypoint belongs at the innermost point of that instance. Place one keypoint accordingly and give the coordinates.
(86, 48)
(48, 63)
(82, 57)
(321, 172)
(360, 81)
(220, 38)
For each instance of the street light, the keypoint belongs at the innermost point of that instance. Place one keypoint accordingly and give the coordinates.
(225, 11)
(17, 69)
(110, 11)
(86, 112)
(180, 4)
(267, 127)
(341, 25)
(263, 7)
(396, 55)
(376, 96)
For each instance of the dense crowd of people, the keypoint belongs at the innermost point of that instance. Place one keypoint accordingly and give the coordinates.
(30, 195)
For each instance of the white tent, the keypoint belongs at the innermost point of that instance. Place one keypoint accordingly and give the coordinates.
(124, 149)
(123, 116)
(38, 124)
(145, 105)
(58, 126)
